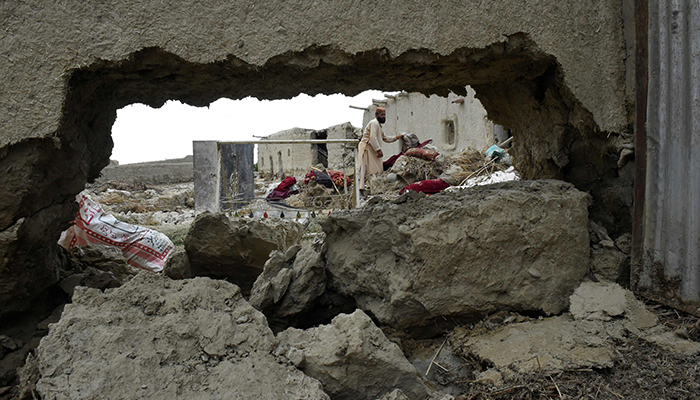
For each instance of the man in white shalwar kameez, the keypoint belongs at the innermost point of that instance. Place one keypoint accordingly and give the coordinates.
(369, 150)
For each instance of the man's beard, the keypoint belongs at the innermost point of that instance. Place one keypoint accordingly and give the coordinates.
(381, 119)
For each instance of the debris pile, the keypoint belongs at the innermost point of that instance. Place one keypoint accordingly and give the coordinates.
(473, 293)
(162, 339)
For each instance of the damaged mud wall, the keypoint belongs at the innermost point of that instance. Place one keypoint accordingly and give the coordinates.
(68, 67)
(557, 138)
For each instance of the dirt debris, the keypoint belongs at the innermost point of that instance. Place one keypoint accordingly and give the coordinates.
(646, 354)
(159, 338)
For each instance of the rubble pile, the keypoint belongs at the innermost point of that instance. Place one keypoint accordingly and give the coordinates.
(139, 204)
(474, 293)
(318, 197)
(162, 339)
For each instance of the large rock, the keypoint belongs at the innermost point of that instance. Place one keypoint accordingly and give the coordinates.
(517, 245)
(352, 358)
(291, 282)
(163, 339)
(237, 248)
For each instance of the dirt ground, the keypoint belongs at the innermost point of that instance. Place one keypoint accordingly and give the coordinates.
(642, 371)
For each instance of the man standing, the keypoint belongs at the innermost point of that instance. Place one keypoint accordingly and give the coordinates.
(369, 150)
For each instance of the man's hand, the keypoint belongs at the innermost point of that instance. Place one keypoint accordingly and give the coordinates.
(400, 137)
(379, 153)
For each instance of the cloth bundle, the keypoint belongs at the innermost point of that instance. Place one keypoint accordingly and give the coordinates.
(325, 180)
(392, 160)
(425, 154)
(284, 189)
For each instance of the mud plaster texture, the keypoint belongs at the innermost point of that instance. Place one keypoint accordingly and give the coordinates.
(163, 339)
(517, 245)
(67, 67)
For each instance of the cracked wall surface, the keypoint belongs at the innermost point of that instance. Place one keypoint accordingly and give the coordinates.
(68, 66)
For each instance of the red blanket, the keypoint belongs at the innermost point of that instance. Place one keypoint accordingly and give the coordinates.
(430, 186)
(282, 190)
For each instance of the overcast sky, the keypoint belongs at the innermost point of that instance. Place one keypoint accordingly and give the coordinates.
(142, 133)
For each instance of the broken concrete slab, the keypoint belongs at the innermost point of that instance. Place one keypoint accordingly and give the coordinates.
(518, 245)
(158, 338)
(670, 341)
(551, 345)
(598, 301)
(600, 314)
(352, 358)
(236, 248)
(604, 300)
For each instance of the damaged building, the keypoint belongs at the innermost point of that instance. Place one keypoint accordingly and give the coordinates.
(599, 98)
(453, 123)
(280, 160)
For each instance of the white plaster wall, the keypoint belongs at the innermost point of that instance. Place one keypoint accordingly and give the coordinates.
(424, 116)
(295, 157)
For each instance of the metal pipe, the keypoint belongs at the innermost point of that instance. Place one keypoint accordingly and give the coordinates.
(359, 108)
(292, 141)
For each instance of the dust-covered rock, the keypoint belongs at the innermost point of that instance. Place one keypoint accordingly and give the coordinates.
(89, 277)
(291, 283)
(352, 358)
(396, 394)
(177, 266)
(610, 264)
(163, 339)
(608, 260)
(236, 248)
(96, 265)
(517, 245)
(105, 258)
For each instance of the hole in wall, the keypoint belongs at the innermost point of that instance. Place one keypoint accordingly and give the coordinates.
(521, 87)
